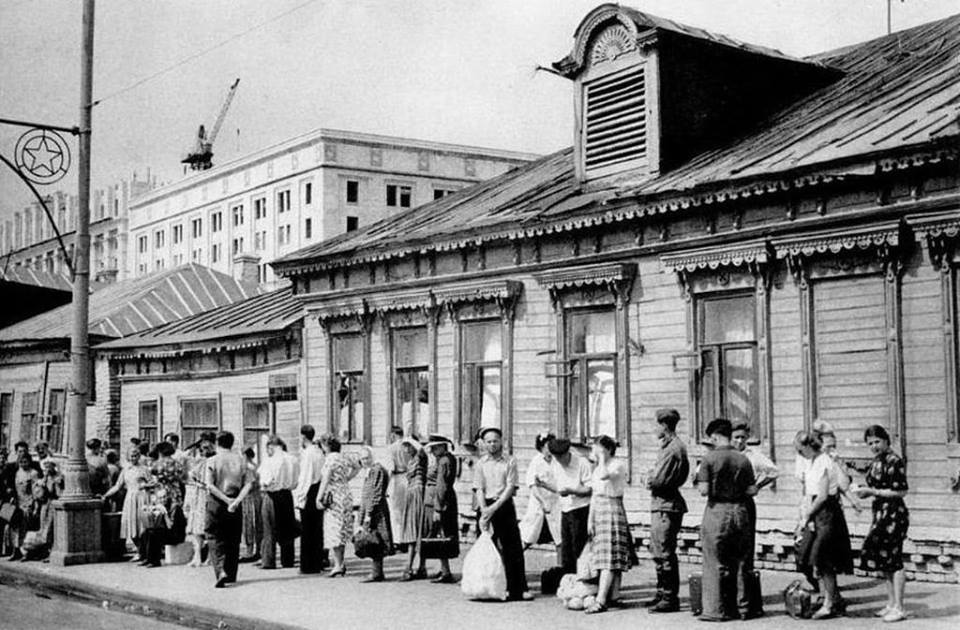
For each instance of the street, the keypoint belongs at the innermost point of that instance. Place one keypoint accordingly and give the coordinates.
(25, 609)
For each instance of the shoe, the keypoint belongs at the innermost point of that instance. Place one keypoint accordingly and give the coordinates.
(420, 574)
(895, 614)
(230, 580)
(527, 596)
(370, 579)
(266, 568)
(594, 608)
(652, 602)
(338, 572)
(221, 583)
(252, 558)
(882, 612)
(822, 613)
(16, 555)
(406, 576)
(665, 606)
(135, 558)
(442, 578)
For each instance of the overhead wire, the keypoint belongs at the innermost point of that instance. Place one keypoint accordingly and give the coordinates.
(203, 52)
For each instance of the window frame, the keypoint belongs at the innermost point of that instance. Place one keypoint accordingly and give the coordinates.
(580, 434)
(429, 372)
(197, 429)
(361, 423)
(143, 430)
(397, 189)
(6, 417)
(346, 193)
(465, 426)
(261, 431)
(29, 427)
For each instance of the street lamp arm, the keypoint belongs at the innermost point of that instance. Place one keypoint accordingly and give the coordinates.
(46, 210)
(22, 123)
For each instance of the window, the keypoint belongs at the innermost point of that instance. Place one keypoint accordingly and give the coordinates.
(256, 425)
(728, 381)
(178, 259)
(158, 263)
(262, 273)
(411, 379)
(283, 235)
(142, 268)
(481, 375)
(591, 347)
(215, 253)
(51, 428)
(177, 233)
(195, 255)
(28, 417)
(216, 222)
(148, 425)
(142, 244)
(348, 386)
(260, 208)
(307, 193)
(158, 238)
(353, 191)
(237, 212)
(237, 245)
(6, 418)
(197, 416)
(308, 228)
(260, 240)
(398, 195)
(197, 225)
(352, 223)
(283, 201)
(440, 193)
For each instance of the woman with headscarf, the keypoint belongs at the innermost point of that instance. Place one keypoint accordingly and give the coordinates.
(375, 511)
(133, 478)
(441, 517)
(336, 500)
(413, 510)
(883, 547)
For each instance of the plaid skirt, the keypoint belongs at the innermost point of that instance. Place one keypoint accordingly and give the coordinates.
(612, 544)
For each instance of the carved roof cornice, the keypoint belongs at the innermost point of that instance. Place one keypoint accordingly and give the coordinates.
(596, 275)
(942, 231)
(883, 235)
(478, 291)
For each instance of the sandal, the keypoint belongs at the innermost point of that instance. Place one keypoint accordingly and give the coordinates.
(406, 576)
(594, 608)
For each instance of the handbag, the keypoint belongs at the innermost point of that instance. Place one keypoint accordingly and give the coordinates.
(367, 544)
(11, 514)
(437, 546)
(796, 599)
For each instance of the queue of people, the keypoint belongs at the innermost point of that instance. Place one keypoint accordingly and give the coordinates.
(217, 499)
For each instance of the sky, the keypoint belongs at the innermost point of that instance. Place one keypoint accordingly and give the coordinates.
(461, 71)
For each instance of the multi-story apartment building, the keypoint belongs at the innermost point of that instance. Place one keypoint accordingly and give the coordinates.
(28, 240)
(239, 216)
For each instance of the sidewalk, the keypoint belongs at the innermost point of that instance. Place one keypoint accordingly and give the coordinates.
(283, 599)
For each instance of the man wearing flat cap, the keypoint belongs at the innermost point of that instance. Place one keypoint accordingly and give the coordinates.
(495, 481)
(667, 507)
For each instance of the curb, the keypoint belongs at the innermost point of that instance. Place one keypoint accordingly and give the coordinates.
(187, 615)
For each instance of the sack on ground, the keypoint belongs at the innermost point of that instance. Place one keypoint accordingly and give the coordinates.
(550, 580)
(796, 599)
(483, 573)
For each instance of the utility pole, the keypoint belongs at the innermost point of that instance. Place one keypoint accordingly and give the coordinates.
(77, 537)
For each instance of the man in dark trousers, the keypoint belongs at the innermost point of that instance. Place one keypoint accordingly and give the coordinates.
(278, 477)
(726, 479)
(496, 481)
(666, 509)
(228, 482)
(305, 500)
(572, 474)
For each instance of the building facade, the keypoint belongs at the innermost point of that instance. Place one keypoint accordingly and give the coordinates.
(28, 241)
(734, 233)
(302, 191)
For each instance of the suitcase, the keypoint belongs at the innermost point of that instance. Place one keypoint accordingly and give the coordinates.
(696, 592)
(550, 580)
(753, 594)
(797, 601)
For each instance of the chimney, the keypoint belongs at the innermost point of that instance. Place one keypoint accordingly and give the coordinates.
(245, 268)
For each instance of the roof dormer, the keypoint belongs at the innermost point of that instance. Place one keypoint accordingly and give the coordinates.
(649, 93)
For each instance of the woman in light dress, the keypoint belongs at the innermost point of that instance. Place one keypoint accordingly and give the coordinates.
(541, 522)
(133, 479)
(336, 500)
(195, 499)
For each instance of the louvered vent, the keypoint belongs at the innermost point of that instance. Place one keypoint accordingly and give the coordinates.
(615, 121)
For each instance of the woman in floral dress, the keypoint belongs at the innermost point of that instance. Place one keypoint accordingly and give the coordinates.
(883, 547)
(336, 500)
(166, 500)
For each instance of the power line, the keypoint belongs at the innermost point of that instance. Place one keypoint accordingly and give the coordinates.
(201, 53)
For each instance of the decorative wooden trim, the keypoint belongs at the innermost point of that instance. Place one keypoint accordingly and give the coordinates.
(624, 425)
(617, 278)
(883, 238)
(894, 321)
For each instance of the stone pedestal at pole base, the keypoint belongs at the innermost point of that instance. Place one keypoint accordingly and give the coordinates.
(76, 531)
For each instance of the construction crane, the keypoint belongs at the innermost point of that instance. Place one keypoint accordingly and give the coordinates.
(201, 158)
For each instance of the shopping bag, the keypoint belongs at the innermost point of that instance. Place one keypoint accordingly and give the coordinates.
(585, 569)
(796, 599)
(483, 573)
(367, 544)
(11, 514)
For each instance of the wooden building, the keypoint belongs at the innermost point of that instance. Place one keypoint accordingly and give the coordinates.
(35, 370)
(735, 232)
(233, 368)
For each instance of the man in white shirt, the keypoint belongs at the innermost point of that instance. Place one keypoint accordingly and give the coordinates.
(305, 500)
(279, 475)
(572, 475)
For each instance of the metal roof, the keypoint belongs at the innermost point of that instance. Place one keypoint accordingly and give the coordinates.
(130, 306)
(899, 93)
(46, 280)
(261, 314)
